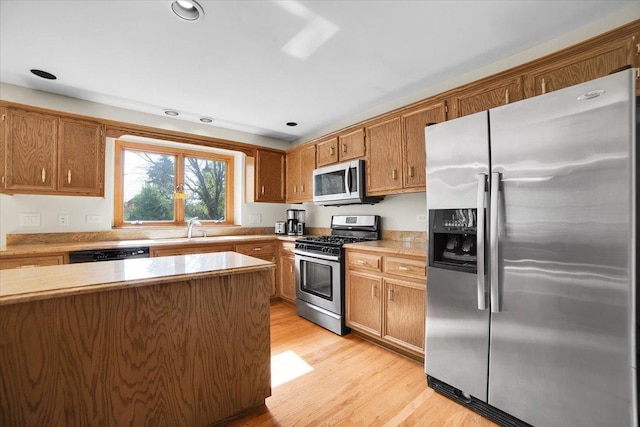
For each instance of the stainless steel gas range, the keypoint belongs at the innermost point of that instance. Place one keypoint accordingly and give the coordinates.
(320, 269)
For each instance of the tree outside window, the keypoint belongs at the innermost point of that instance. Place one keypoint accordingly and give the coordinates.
(148, 178)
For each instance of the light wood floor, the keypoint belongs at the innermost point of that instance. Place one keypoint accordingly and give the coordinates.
(352, 382)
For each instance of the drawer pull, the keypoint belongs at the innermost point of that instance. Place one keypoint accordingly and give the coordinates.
(257, 249)
(69, 176)
(411, 171)
(332, 151)
(344, 148)
(390, 293)
(361, 262)
(374, 288)
(44, 175)
(291, 269)
(394, 174)
(403, 268)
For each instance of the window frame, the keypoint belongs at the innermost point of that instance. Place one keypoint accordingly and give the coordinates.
(179, 204)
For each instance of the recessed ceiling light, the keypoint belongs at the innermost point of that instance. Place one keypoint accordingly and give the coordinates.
(171, 113)
(206, 119)
(189, 10)
(44, 74)
(292, 124)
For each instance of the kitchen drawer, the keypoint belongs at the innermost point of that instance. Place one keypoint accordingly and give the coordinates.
(405, 267)
(32, 261)
(360, 261)
(287, 248)
(257, 249)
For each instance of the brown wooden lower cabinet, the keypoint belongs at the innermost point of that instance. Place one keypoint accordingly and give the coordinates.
(287, 269)
(265, 250)
(387, 305)
(7, 262)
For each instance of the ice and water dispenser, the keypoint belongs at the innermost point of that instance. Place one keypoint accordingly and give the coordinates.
(452, 239)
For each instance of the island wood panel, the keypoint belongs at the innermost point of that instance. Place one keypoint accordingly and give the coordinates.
(186, 249)
(186, 353)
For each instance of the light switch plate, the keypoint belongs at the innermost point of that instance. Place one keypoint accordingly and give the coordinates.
(29, 220)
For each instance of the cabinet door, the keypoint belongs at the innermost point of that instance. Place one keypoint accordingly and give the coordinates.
(384, 166)
(30, 151)
(578, 69)
(351, 145)
(270, 176)
(404, 319)
(486, 96)
(80, 157)
(363, 302)
(32, 261)
(307, 165)
(293, 176)
(413, 124)
(327, 151)
(288, 278)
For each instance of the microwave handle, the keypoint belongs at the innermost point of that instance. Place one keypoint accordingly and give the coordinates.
(347, 179)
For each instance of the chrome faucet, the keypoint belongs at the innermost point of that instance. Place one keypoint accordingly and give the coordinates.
(190, 224)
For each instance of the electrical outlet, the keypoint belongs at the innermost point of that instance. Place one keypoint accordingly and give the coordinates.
(421, 218)
(63, 220)
(93, 219)
(29, 220)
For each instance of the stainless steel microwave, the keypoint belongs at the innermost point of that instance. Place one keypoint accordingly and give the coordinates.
(341, 184)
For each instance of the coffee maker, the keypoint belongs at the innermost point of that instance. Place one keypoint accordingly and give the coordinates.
(292, 222)
(301, 220)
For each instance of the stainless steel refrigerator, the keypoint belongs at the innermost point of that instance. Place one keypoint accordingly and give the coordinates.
(531, 285)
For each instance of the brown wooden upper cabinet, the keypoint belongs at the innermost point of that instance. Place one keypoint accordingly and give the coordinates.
(46, 154)
(327, 151)
(414, 157)
(351, 144)
(384, 164)
(569, 70)
(266, 177)
(300, 165)
(480, 97)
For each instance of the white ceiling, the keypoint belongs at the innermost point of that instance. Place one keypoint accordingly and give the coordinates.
(233, 66)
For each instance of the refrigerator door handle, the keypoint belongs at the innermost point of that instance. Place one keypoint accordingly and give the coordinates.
(480, 240)
(493, 242)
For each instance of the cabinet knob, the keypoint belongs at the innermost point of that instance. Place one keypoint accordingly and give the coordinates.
(506, 97)
(295, 188)
(262, 189)
(544, 86)
(411, 171)
(390, 294)
(302, 188)
(69, 176)
(332, 151)
(291, 269)
(344, 148)
(44, 175)
(374, 288)
(394, 174)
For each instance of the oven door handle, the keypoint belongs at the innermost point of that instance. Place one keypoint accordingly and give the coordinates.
(316, 255)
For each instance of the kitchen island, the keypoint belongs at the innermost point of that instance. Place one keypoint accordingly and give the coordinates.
(178, 340)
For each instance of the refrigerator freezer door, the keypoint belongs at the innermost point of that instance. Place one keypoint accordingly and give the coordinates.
(561, 345)
(457, 332)
(457, 348)
(457, 152)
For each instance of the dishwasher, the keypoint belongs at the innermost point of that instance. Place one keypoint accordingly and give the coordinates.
(108, 254)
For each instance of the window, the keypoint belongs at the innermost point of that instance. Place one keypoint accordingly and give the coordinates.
(158, 185)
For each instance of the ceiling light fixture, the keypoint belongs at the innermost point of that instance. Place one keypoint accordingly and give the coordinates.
(171, 113)
(189, 10)
(43, 74)
(206, 119)
(292, 124)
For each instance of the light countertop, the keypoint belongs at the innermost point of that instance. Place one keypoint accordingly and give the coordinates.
(41, 249)
(28, 284)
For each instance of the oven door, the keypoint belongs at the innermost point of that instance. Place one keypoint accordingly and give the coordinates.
(319, 281)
